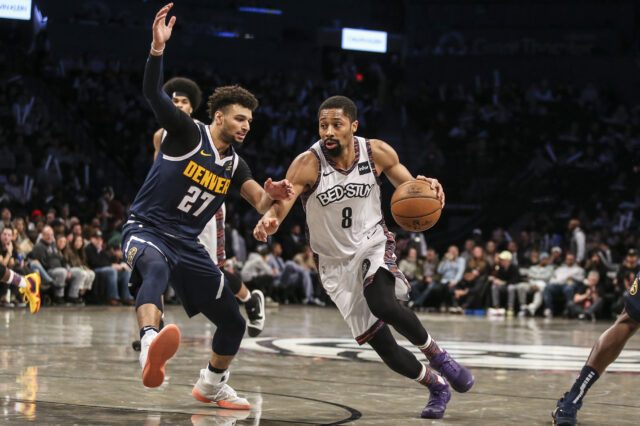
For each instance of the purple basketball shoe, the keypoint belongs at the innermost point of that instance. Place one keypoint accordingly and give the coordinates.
(438, 399)
(459, 377)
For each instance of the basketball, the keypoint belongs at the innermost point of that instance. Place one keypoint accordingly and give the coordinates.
(415, 206)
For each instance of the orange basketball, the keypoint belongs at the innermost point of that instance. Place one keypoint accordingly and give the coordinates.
(414, 206)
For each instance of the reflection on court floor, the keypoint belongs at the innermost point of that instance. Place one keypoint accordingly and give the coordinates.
(76, 366)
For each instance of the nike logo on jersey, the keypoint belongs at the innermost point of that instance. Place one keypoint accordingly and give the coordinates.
(328, 173)
(205, 154)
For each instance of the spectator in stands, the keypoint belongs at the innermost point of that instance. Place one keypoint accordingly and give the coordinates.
(624, 278)
(472, 291)
(577, 244)
(76, 257)
(256, 272)
(516, 260)
(536, 278)
(114, 275)
(76, 230)
(411, 267)
(556, 256)
(75, 275)
(468, 248)
(58, 227)
(9, 258)
(293, 242)
(562, 284)
(490, 252)
(451, 269)
(429, 266)
(23, 244)
(588, 300)
(305, 260)
(5, 218)
(47, 255)
(504, 275)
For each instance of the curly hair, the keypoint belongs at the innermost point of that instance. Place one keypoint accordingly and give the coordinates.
(348, 107)
(186, 86)
(224, 96)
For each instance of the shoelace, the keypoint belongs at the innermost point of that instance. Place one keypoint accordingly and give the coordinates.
(449, 364)
(226, 392)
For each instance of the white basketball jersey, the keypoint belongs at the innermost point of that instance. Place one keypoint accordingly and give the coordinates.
(343, 208)
(212, 237)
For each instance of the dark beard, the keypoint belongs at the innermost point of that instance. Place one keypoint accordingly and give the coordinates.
(336, 151)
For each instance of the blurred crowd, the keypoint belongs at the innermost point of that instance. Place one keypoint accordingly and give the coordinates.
(525, 157)
(575, 274)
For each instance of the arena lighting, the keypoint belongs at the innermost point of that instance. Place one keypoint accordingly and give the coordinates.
(364, 40)
(260, 10)
(15, 9)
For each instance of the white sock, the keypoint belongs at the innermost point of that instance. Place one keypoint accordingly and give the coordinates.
(214, 378)
(12, 276)
(247, 298)
(426, 345)
(149, 335)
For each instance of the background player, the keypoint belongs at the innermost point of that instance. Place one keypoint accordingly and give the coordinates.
(338, 179)
(604, 352)
(181, 193)
(28, 286)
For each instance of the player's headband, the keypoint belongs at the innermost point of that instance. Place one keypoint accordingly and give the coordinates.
(181, 94)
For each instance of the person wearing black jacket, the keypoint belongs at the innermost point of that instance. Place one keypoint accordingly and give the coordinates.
(47, 254)
(115, 275)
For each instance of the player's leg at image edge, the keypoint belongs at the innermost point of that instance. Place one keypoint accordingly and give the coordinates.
(603, 353)
(28, 286)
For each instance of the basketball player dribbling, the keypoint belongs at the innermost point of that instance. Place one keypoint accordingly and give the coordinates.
(186, 96)
(338, 179)
(28, 286)
(604, 352)
(186, 185)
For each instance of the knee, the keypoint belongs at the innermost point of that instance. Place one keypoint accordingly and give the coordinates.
(381, 308)
(237, 323)
(629, 323)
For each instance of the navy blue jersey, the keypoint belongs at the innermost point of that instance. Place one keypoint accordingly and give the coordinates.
(181, 194)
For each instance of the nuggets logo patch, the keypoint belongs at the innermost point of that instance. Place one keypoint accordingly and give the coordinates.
(634, 288)
(131, 254)
(365, 268)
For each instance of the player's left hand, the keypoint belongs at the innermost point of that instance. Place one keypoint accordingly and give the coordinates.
(281, 190)
(435, 185)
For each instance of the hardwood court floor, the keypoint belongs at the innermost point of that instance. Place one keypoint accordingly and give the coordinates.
(76, 366)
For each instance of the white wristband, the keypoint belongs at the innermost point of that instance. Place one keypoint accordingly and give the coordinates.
(156, 51)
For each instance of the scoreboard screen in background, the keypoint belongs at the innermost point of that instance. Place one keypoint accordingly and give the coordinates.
(364, 40)
(15, 9)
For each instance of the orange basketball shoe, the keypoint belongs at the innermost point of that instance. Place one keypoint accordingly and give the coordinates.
(31, 293)
(155, 353)
(219, 393)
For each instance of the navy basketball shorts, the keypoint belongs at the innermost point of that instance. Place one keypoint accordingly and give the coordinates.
(632, 300)
(198, 282)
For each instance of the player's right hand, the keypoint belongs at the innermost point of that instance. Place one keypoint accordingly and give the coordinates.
(265, 227)
(162, 30)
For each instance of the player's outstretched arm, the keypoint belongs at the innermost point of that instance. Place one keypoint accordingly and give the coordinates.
(302, 175)
(387, 162)
(184, 132)
(162, 30)
(262, 198)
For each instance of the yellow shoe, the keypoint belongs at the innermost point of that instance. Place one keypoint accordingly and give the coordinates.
(31, 293)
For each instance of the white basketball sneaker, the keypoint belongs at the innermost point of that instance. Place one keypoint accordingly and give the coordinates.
(221, 393)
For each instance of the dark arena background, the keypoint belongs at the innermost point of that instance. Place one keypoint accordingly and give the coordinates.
(526, 111)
